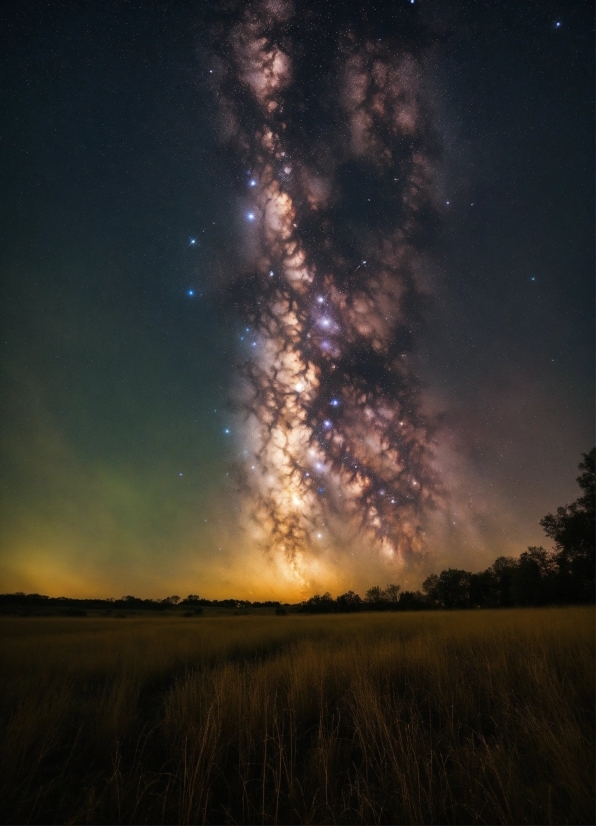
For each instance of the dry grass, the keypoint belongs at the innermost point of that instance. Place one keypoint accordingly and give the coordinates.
(463, 717)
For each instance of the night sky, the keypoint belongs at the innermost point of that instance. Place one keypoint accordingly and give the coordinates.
(294, 298)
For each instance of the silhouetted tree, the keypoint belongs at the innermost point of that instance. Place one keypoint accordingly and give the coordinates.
(454, 588)
(374, 595)
(319, 604)
(482, 589)
(572, 529)
(502, 571)
(391, 593)
(412, 601)
(450, 589)
(348, 602)
(430, 587)
(533, 578)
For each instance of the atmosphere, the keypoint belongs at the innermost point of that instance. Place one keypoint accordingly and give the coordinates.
(296, 297)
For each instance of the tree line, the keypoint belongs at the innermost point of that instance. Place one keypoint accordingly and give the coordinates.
(9, 603)
(562, 575)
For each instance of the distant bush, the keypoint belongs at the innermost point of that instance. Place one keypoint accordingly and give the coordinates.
(188, 614)
(198, 612)
(281, 611)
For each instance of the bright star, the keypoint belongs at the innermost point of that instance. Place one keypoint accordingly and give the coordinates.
(190, 293)
(320, 299)
(327, 424)
(226, 430)
(334, 402)
(252, 182)
(558, 24)
(251, 216)
(325, 322)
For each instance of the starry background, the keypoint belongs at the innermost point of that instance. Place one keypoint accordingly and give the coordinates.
(118, 355)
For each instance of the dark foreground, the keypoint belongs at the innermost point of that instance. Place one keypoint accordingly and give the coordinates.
(460, 717)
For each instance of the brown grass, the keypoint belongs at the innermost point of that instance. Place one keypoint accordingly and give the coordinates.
(462, 717)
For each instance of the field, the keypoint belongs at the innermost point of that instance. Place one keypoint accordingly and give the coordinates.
(433, 717)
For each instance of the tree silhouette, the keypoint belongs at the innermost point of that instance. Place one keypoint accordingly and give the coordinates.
(572, 529)
(348, 602)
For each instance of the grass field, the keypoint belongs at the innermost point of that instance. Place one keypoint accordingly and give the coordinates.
(461, 717)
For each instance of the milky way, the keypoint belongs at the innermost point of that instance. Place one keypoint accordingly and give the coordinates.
(338, 215)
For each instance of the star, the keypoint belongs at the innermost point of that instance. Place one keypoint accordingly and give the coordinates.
(251, 216)
(190, 293)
